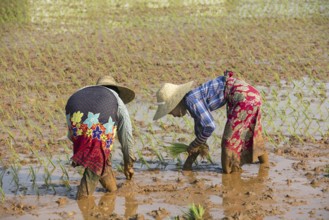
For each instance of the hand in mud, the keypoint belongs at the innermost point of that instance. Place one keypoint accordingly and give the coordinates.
(192, 150)
(128, 171)
(202, 149)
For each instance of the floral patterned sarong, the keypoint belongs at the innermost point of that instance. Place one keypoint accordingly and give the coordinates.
(92, 141)
(242, 139)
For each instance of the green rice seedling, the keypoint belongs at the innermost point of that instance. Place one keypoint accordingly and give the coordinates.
(119, 168)
(64, 171)
(39, 131)
(15, 170)
(179, 162)
(3, 195)
(11, 135)
(195, 212)
(3, 63)
(15, 156)
(149, 137)
(1, 176)
(24, 130)
(36, 154)
(66, 184)
(53, 188)
(67, 156)
(67, 150)
(209, 159)
(189, 123)
(33, 175)
(142, 159)
(47, 177)
(155, 150)
(80, 170)
(141, 139)
(175, 149)
(296, 136)
(270, 139)
(50, 156)
(159, 155)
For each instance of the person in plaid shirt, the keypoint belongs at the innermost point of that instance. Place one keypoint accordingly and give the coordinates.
(242, 140)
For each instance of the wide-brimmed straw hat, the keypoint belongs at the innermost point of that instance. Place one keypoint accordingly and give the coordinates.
(126, 94)
(168, 97)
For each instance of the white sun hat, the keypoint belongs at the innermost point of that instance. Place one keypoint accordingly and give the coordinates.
(168, 97)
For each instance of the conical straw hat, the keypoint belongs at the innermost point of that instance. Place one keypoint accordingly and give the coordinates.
(168, 97)
(126, 94)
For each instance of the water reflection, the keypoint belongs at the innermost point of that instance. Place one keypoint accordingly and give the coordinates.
(197, 195)
(241, 195)
(131, 206)
(106, 207)
(90, 210)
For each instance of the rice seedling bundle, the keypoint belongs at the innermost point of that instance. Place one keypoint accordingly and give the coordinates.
(175, 149)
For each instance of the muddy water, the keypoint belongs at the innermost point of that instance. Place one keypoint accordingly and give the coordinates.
(280, 191)
(296, 185)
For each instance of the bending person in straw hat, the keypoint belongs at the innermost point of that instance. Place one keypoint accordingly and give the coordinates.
(242, 140)
(95, 115)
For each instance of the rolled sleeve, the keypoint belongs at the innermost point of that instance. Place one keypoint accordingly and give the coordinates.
(125, 131)
(203, 122)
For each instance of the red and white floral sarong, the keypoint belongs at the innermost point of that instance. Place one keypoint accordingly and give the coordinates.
(242, 140)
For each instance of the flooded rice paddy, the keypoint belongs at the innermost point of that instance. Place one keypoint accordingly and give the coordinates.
(48, 50)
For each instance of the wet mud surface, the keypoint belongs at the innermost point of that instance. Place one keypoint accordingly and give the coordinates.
(295, 186)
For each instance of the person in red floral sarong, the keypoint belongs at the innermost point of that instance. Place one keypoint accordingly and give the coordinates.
(95, 116)
(242, 140)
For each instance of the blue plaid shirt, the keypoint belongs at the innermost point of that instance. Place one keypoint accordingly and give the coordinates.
(200, 102)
